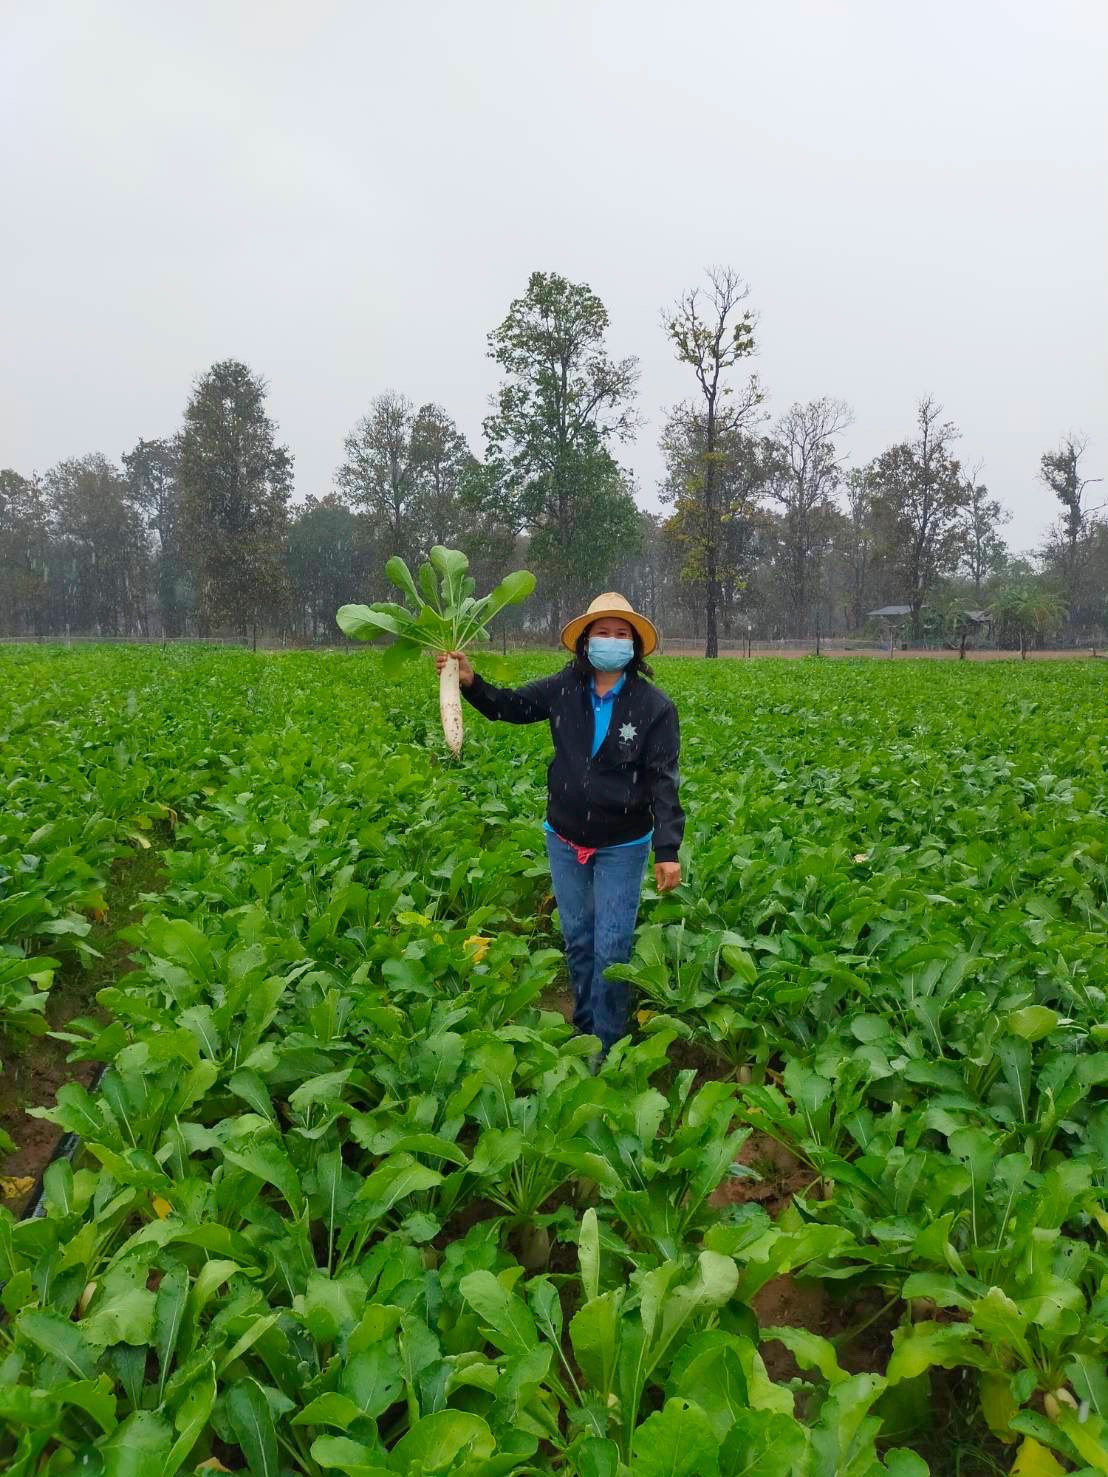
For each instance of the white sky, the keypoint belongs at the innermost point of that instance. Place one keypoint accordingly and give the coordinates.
(348, 195)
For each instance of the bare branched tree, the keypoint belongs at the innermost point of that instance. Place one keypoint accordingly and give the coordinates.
(712, 332)
(857, 536)
(742, 470)
(1060, 471)
(807, 470)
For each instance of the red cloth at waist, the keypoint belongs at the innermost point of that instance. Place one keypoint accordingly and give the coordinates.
(584, 853)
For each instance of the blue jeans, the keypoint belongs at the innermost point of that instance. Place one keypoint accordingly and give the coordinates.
(598, 903)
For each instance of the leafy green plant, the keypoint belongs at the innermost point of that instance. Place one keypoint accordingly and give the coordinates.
(657, 1158)
(344, 1120)
(24, 985)
(443, 615)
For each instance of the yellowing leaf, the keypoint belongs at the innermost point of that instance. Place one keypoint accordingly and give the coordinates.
(161, 1207)
(642, 1016)
(998, 1404)
(213, 1464)
(477, 946)
(1033, 1460)
(413, 920)
(11, 1187)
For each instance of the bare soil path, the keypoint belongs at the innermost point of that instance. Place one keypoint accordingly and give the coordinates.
(33, 1075)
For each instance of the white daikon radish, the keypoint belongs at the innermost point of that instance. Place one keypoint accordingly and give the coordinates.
(450, 705)
(442, 614)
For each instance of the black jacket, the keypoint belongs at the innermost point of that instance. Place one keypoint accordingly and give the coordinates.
(630, 786)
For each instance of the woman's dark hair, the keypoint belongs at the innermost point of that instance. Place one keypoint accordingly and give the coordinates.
(636, 667)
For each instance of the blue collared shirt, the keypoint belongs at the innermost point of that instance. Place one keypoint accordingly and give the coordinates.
(602, 705)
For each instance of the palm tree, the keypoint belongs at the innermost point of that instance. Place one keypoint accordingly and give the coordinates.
(1027, 609)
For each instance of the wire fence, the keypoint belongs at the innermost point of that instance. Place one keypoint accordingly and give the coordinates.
(773, 646)
(731, 647)
(69, 639)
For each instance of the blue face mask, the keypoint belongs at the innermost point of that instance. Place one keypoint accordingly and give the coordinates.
(610, 653)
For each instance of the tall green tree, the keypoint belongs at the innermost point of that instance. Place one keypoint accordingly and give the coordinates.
(328, 560)
(983, 548)
(441, 462)
(563, 403)
(712, 333)
(404, 469)
(152, 468)
(235, 481)
(24, 555)
(377, 473)
(919, 504)
(101, 548)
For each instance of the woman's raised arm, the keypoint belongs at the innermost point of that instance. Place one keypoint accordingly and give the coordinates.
(527, 704)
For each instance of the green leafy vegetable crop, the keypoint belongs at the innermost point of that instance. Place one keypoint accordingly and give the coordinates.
(348, 1198)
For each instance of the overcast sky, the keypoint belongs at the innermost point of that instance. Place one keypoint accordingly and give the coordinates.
(348, 195)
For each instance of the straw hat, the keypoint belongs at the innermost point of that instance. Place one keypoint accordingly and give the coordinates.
(615, 605)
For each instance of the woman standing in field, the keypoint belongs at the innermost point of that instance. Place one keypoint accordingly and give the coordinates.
(612, 785)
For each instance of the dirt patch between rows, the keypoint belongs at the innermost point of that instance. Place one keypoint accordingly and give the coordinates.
(559, 997)
(34, 1072)
(797, 1302)
(777, 1177)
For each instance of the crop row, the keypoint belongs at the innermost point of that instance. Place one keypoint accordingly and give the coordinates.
(98, 751)
(350, 1199)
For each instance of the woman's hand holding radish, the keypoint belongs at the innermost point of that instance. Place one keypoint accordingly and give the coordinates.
(465, 669)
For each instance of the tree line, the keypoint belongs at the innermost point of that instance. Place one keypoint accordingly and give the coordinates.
(764, 527)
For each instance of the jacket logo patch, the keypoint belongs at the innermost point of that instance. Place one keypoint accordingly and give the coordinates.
(627, 733)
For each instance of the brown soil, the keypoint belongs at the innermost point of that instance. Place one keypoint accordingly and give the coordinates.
(795, 1301)
(33, 1074)
(559, 997)
(32, 1077)
(861, 1325)
(780, 1176)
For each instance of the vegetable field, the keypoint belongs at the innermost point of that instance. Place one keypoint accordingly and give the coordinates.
(346, 1198)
